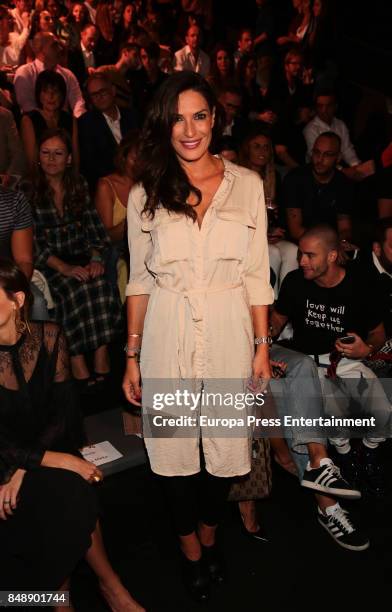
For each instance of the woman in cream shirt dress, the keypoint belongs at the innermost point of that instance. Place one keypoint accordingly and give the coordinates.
(198, 292)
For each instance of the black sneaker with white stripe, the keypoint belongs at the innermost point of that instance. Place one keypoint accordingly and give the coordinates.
(340, 527)
(327, 479)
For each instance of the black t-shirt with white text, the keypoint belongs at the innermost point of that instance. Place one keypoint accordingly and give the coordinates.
(320, 315)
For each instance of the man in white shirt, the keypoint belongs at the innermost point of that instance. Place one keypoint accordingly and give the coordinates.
(325, 121)
(12, 42)
(102, 128)
(47, 51)
(191, 57)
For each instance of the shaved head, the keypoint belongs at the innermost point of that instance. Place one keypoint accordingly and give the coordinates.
(325, 234)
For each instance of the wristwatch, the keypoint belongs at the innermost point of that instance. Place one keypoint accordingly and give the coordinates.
(263, 340)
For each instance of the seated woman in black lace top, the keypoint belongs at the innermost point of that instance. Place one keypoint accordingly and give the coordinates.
(48, 508)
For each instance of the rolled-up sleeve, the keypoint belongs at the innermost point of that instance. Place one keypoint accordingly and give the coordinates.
(257, 270)
(141, 280)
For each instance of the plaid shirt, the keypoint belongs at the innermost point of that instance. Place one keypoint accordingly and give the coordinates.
(67, 237)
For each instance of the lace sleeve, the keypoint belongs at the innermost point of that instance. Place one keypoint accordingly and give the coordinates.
(11, 457)
(64, 424)
(61, 422)
(63, 367)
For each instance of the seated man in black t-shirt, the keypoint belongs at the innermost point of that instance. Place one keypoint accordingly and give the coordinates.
(326, 302)
(319, 192)
(378, 265)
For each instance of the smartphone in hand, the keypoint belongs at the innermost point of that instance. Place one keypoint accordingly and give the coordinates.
(347, 339)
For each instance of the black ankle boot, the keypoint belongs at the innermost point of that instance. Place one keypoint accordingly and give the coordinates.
(214, 564)
(196, 579)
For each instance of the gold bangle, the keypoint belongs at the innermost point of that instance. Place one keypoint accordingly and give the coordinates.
(135, 335)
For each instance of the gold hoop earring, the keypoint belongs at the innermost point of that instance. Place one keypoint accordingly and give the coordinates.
(20, 325)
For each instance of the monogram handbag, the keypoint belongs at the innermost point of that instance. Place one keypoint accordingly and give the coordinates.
(257, 484)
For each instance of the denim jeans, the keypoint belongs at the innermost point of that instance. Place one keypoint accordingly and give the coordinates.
(298, 394)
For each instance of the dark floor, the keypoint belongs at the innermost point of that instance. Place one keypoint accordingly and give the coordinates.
(300, 569)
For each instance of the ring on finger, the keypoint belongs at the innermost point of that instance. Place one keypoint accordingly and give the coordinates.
(7, 502)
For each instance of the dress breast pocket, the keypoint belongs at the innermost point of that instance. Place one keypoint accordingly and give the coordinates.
(231, 235)
(169, 235)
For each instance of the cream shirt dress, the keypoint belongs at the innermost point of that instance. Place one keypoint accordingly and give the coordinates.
(198, 332)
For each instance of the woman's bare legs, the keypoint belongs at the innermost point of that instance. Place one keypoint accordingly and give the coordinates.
(116, 595)
(101, 360)
(283, 456)
(79, 367)
(249, 515)
(190, 546)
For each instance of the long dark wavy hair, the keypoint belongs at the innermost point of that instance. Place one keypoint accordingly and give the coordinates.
(13, 280)
(73, 184)
(157, 167)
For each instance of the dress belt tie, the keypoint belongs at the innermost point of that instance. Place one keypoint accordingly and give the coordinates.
(196, 299)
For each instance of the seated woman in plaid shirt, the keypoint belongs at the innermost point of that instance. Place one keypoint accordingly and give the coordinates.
(70, 241)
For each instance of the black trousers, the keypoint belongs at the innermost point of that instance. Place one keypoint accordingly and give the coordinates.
(200, 497)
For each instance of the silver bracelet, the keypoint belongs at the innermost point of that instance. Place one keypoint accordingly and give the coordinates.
(130, 349)
(263, 340)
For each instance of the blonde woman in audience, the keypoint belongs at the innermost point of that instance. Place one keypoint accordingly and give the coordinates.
(256, 153)
(111, 199)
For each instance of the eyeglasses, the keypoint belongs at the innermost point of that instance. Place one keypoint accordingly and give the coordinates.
(100, 93)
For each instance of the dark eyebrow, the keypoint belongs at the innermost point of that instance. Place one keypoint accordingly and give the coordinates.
(203, 110)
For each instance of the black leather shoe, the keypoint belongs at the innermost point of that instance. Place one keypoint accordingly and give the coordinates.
(214, 564)
(196, 579)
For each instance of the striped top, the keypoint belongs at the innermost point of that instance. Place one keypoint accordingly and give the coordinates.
(15, 214)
